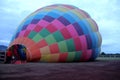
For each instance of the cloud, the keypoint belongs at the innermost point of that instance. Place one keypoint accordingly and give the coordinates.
(4, 42)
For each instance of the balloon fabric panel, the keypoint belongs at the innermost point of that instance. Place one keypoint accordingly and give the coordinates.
(59, 33)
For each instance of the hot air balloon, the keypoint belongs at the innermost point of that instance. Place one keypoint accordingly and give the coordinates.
(57, 33)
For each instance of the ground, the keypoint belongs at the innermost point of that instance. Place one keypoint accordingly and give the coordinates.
(97, 70)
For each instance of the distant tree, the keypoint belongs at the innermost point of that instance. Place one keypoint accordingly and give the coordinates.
(103, 53)
(117, 53)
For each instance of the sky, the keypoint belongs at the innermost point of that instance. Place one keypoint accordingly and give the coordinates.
(106, 13)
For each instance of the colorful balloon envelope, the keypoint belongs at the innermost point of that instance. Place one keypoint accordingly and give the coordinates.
(58, 33)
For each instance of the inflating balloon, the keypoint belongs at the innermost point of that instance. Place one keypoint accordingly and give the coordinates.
(58, 33)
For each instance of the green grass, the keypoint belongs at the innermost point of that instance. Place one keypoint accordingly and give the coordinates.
(108, 58)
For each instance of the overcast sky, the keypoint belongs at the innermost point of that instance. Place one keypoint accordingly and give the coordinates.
(105, 12)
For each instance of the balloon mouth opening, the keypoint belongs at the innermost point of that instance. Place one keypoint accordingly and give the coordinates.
(16, 54)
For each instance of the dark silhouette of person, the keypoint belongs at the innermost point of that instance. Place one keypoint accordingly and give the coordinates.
(8, 56)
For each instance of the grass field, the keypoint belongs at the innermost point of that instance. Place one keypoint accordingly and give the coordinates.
(108, 58)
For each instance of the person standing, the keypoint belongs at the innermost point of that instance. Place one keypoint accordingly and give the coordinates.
(8, 56)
